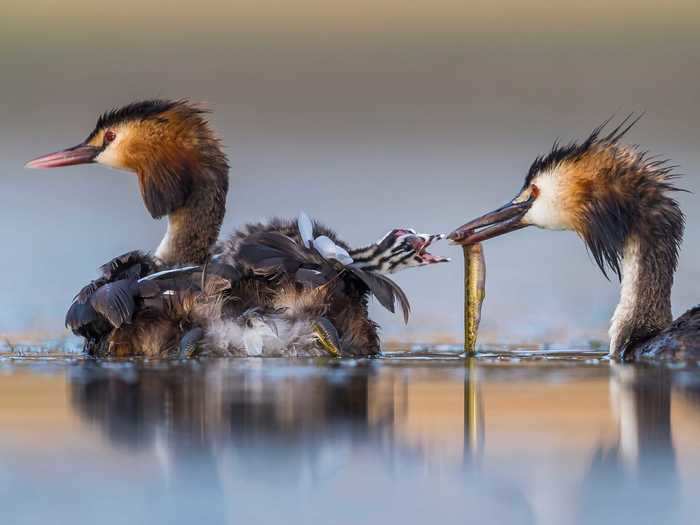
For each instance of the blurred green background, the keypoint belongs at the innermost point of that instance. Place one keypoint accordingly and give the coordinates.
(368, 115)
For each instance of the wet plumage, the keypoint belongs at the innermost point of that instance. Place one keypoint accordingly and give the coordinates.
(297, 276)
(619, 200)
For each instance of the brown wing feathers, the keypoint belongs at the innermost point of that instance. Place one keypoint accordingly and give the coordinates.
(387, 292)
(83, 318)
(123, 290)
(130, 284)
(271, 253)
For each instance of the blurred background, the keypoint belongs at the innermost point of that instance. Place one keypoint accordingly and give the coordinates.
(368, 115)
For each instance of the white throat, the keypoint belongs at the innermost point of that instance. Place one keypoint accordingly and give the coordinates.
(165, 249)
(622, 319)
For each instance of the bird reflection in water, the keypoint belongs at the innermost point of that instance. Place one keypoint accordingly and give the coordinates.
(197, 406)
(314, 436)
(636, 478)
(221, 430)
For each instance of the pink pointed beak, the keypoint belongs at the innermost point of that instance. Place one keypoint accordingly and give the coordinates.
(80, 154)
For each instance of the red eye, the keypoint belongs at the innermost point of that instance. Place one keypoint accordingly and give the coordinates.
(534, 191)
(109, 136)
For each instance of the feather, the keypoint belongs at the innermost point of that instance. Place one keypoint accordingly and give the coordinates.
(134, 263)
(138, 111)
(85, 293)
(82, 314)
(385, 290)
(620, 130)
(306, 229)
(165, 188)
(79, 315)
(330, 250)
(224, 271)
(217, 278)
(573, 150)
(215, 284)
(147, 289)
(185, 270)
(311, 277)
(156, 303)
(272, 251)
(115, 301)
(400, 296)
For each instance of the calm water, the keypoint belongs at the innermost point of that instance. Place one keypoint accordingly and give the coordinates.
(566, 438)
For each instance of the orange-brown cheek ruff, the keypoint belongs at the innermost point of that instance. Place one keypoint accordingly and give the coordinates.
(164, 154)
(165, 178)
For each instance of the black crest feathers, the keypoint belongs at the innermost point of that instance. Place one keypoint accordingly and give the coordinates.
(574, 150)
(629, 194)
(138, 111)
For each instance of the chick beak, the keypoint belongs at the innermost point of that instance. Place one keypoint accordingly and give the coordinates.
(505, 219)
(420, 244)
(80, 154)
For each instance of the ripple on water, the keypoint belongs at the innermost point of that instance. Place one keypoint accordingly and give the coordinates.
(415, 436)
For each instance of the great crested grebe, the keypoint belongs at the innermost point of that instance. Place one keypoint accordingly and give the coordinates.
(293, 279)
(617, 199)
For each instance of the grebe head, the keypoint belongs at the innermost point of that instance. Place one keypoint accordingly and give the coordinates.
(599, 188)
(616, 198)
(399, 249)
(167, 143)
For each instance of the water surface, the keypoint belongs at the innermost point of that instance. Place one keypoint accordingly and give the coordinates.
(411, 438)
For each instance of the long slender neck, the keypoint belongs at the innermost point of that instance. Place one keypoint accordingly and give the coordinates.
(364, 256)
(645, 295)
(374, 258)
(194, 227)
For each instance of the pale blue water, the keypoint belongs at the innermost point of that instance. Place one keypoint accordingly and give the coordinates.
(525, 437)
(424, 125)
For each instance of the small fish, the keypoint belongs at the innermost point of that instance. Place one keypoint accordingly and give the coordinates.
(474, 293)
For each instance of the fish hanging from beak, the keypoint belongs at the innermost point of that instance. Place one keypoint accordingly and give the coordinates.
(474, 293)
